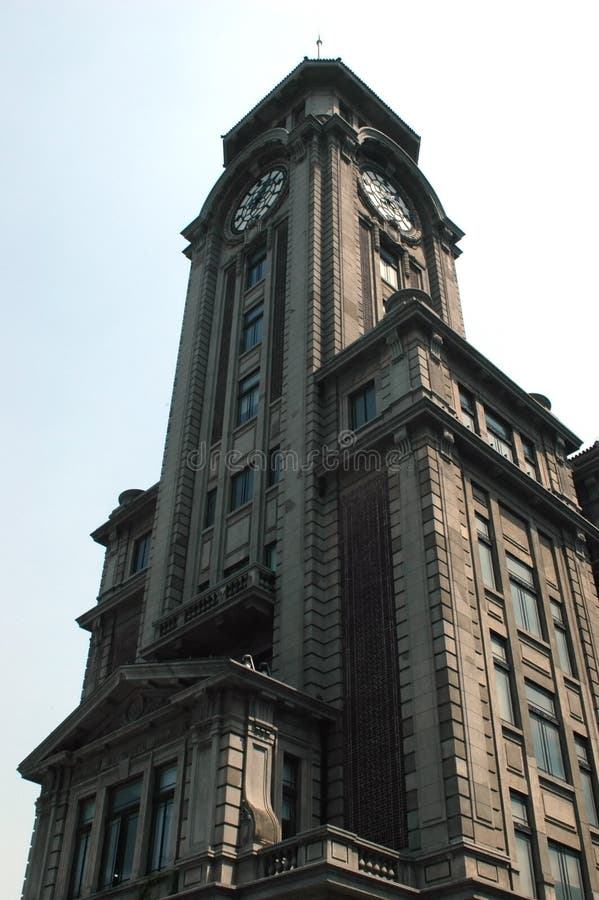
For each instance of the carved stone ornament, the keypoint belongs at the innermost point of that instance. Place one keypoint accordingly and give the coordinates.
(447, 443)
(402, 441)
(298, 149)
(349, 149)
(436, 345)
(395, 344)
(581, 544)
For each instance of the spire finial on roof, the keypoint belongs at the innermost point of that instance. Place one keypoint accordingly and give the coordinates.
(318, 46)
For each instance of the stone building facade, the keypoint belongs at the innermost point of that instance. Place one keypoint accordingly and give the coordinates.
(346, 646)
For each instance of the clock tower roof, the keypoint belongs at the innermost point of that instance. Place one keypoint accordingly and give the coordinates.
(310, 77)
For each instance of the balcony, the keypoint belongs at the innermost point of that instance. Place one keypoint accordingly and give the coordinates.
(217, 619)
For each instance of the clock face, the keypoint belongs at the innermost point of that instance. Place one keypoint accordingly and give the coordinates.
(259, 199)
(385, 198)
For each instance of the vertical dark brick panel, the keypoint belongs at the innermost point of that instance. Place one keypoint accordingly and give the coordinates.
(278, 318)
(366, 269)
(223, 356)
(375, 792)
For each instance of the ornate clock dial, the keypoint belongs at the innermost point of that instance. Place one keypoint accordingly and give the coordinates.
(259, 199)
(385, 198)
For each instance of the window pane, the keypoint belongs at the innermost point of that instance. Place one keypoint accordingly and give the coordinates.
(589, 796)
(565, 868)
(486, 564)
(547, 748)
(79, 859)
(362, 406)
(111, 839)
(520, 571)
(498, 648)
(526, 611)
(504, 696)
(519, 810)
(540, 698)
(563, 651)
(525, 864)
(252, 327)
(128, 846)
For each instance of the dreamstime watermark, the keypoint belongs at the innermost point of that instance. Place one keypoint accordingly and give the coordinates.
(341, 457)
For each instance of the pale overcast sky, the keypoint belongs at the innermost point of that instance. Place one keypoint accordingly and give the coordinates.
(112, 116)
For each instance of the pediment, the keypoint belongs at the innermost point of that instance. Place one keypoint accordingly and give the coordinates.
(129, 697)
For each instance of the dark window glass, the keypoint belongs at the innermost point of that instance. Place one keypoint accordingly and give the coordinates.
(290, 805)
(253, 321)
(362, 406)
(565, 868)
(210, 512)
(499, 435)
(586, 779)
(416, 276)
(502, 679)
(270, 556)
(468, 410)
(345, 112)
(485, 553)
(141, 553)
(524, 598)
(249, 394)
(545, 731)
(299, 114)
(390, 269)
(274, 466)
(561, 637)
(242, 488)
(82, 835)
(530, 458)
(120, 834)
(162, 817)
(256, 267)
(524, 853)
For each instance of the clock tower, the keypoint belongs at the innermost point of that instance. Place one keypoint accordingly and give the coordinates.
(347, 644)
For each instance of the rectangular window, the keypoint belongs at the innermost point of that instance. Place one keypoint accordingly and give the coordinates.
(545, 731)
(468, 409)
(141, 553)
(290, 804)
(561, 637)
(85, 818)
(565, 868)
(499, 435)
(389, 268)
(210, 511)
(253, 321)
(256, 267)
(345, 112)
(242, 488)
(523, 838)
(362, 406)
(162, 818)
(274, 466)
(530, 458)
(524, 598)
(249, 394)
(299, 114)
(502, 679)
(586, 778)
(120, 834)
(270, 556)
(485, 553)
(416, 278)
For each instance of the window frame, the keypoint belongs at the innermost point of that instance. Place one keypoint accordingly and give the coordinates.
(529, 457)
(161, 827)
(255, 267)
(523, 838)
(545, 731)
(558, 860)
(81, 841)
(562, 640)
(248, 397)
(524, 597)
(366, 397)
(245, 479)
(252, 328)
(140, 556)
(291, 794)
(501, 666)
(587, 779)
(120, 848)
(467, 409)
(486, 559)
(210, 508)
(274, 466)
(389, 263)
(500, 435)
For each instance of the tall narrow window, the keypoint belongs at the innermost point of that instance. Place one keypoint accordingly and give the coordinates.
(141, 553)
(162, 817)
(84, 826)
(120, 834)
(524, 853)
(389, 268)
(499, 435)
(290, 804)
(561, 637)
(256, 267)
(253, 321)
(485, 553)
(274, 466)
(468, 409)
(586, 778)
(210, 510)
(242, 488)
(362, 406)
(249, 392)
(545, 731)
(565, 868)
(530, 457)
(502, 679)
(524, 598)
(270, 555)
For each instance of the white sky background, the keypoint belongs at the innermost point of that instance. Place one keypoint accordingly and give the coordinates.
(112, 112)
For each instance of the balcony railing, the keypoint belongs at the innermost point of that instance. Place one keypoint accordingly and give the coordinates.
(253, 586)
